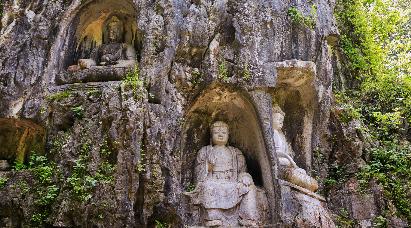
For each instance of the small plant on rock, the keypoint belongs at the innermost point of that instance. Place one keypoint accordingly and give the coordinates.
(246, 72)
(298, 17)
(17, 166)
(59, 96)
(141, 166)
(78, 111)
(223, 71)
(133, 80)
(3, 182)
(191, 187)
(161, 224)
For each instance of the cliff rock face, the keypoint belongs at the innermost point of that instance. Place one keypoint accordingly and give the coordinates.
(122, 144)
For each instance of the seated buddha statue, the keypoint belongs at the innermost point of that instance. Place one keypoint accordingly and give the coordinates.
(225, 192)
(289, 169)
(114, 51)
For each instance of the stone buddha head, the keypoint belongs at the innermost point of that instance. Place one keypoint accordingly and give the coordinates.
(114, 30)
(219, 133)
(278, 118)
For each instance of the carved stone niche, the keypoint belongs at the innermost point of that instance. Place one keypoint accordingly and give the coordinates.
(235, 109)
(18, 139)
(102, 42)
(296, 95)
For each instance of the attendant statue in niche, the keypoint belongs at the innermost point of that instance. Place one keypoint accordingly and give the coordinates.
(289, 170)
(225, 192)
(114, 51)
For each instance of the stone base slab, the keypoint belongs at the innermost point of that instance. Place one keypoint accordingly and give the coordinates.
(302, 208)
(94, 74)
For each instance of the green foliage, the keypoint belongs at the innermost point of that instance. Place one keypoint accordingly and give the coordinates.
(337, 175)
(223, 71)
(41, 168)
(386, 124)
(48, 196)
(246, 72)
(57, 144)
(105, 173)
(1, 12)
(191, 187)
(376, 45)
(298, 17)
(349, 113)
(23, 186)
(380, 222)
(3, 181)
(141, 165)
(133, 80)
(390, 165)
(94, 93)
(45, 190)
(37, 219)
(82, 181)
(105, 150)
(196, 76)
(59, 96)
(78, 111)
(160, 224)
(17, 166)
(79, 181)
(343, 220)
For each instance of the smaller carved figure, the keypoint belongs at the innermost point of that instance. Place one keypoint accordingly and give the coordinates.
(225, 192)
(114, 51)
(289, 169)
(4, 165)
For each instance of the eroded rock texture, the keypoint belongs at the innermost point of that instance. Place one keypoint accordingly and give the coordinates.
(199, 61)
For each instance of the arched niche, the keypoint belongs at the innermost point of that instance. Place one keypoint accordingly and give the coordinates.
(85, 28)
(295, 94)
(235, 108)
(19, 138)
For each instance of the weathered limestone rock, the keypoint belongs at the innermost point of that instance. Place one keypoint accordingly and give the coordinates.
(93, 74)
(198, 60)
(303, 208)
(294, 73)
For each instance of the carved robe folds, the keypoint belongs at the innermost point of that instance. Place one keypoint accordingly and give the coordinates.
(225, 193)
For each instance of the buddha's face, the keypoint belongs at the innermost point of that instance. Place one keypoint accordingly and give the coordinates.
(219, 135)
(113, 34)
(114, 31)
(278, 120)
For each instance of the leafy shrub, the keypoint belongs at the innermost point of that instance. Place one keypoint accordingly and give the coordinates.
(42, 168)
(223, 71)
(81, 181)
(78, 111)
(390, 165)
(133, 80)
(298, 17)
(3, 182)
(59, 96)
(376, 48)
(17, 166)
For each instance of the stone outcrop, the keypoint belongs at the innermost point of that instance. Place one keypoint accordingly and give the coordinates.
(198, 61)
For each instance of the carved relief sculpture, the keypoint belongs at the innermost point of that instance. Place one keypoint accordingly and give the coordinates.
(289, 170)
(113, 52)
(225, 192)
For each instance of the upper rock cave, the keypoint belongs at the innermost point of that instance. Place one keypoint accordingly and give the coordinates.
(99, 42)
